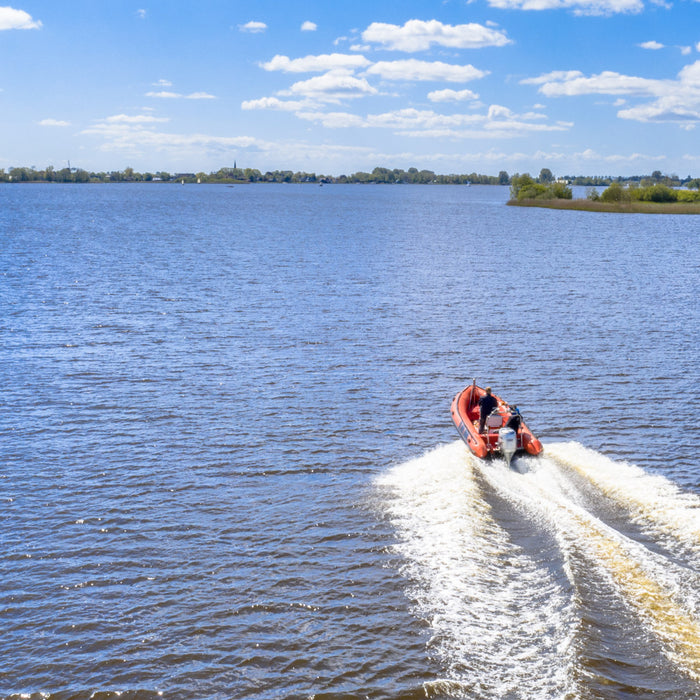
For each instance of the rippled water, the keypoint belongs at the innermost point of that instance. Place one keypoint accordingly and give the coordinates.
(228, 467)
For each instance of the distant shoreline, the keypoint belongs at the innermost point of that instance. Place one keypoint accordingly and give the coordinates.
(634, 207)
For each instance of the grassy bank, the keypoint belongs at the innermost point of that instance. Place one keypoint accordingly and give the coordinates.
(633, 207)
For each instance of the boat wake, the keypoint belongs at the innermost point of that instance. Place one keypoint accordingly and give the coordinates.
(569, 576)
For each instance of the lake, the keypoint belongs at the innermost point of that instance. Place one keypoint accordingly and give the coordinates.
(228, 467)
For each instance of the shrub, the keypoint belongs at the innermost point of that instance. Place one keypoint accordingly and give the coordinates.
(658, 193)
(615, 193)
(524, 187)
(560, 191)
(533, 191)
(688, 196)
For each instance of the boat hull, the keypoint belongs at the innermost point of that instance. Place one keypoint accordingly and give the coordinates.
(465, 415)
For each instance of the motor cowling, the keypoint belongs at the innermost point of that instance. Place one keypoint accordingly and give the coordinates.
(507, 443)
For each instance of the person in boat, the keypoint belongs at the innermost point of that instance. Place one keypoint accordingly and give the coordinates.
(515, 419)
(486, 404)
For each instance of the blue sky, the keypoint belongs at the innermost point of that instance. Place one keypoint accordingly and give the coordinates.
(455, 86)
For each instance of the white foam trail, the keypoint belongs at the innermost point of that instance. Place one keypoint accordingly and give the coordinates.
(653, 502)
(502, 625)
(663, 594)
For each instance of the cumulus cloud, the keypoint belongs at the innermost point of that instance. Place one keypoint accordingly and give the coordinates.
(668, 100)
(651, 45)
(412, 69)
(332, 86)
(449, 95)
(274, 103)
(578, 7)
(570, 83)
(17, 19)
(315, 64)
(309, 26)
(141, 14)
(253, 27)
(419, 35)
(53, 122)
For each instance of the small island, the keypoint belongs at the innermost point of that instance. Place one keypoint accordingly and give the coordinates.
(645, 197)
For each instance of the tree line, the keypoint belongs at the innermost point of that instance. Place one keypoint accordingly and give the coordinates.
(379, 175)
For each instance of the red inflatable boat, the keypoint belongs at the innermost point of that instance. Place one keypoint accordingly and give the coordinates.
(498, 437)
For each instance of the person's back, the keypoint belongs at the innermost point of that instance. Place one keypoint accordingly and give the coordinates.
(486, 404)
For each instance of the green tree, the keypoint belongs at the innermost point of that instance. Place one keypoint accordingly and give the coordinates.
(503, 178)
(546, 176)
(519, 182)
(615, 193)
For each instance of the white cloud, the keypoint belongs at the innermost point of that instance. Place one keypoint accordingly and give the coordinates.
(412, 69)
(253, 27)
(570, 83)
(122, 133)
(53, 122)
(17, 19)
(315, 64)
(333, 120)
(165, 94)
(665, 109)
(142, 141)
(274, 103)
(579, 7)
(141, 14)
(553, 76)
(590, 155)
(332, 86)
(418, 35)
(448, 95)
(200, 96)
(309, 26)
(651, 45)
(671, 100)
(162, 83)
(498, 122)
(686, 50)
(134, 119)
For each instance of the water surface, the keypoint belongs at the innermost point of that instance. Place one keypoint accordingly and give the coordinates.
(228, 469)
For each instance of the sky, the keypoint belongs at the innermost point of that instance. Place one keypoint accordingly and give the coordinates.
(582, 87)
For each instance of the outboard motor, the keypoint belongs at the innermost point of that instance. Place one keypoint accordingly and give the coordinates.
(507, 443)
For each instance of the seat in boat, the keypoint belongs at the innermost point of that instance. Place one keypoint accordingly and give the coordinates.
(495, 420)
